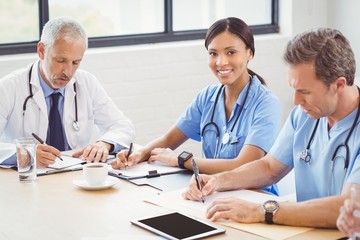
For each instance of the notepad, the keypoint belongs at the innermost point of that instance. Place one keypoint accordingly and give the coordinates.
(173, 200)
(145, 170)
(68, 162)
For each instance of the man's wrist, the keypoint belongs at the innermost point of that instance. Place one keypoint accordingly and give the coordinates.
(222, 182)
(270, 208)
(261, 213)
(111, 149)
(109, 146)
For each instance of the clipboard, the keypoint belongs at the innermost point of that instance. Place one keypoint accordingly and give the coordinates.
(75, 165)
(49, 171)
(145, 170)
(165, 183)
(66, 163)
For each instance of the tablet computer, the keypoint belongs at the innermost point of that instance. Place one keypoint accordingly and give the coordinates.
(175, 225)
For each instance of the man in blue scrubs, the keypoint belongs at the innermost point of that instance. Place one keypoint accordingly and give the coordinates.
(320, 141)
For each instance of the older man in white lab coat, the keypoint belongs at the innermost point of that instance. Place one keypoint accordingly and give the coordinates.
(26, 100)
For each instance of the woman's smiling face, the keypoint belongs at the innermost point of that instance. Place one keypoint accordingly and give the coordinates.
(228, 58)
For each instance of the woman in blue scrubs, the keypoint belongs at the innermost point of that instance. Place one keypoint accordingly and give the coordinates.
(236, 120)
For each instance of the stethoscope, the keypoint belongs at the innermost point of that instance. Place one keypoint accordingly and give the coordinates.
(305, 156)
(75, 123)
(226, 136)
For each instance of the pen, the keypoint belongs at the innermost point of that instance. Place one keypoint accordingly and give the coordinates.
(53, 171)
(42, 142)
(197, 177)
(128, 155)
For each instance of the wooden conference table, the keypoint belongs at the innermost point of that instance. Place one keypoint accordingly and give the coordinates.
(54, 208)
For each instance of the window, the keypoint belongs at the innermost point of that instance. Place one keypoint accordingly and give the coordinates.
(203, 13)
(19, 21)
(125, 22)
(112, 17)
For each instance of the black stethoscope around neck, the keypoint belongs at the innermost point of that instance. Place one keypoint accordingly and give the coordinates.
(226, 136)
(75, 123)
(305, 155)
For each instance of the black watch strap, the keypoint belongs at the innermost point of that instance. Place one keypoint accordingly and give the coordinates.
(270, 207)
(183, 157)
(269, 217)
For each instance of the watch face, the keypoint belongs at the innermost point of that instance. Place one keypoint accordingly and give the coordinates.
(185, 155)
(271, 206)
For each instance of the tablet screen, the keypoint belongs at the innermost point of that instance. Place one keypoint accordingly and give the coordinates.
(178, 226)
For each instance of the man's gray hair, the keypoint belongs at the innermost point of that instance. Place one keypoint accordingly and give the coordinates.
(63, 28)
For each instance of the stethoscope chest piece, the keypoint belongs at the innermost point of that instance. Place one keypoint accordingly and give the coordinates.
(226, 138)
(76, 125)
(305, 156)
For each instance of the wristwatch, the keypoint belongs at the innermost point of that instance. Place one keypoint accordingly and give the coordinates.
(183, 157)
(270, 207)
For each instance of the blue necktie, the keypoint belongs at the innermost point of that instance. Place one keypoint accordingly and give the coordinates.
(56, 138)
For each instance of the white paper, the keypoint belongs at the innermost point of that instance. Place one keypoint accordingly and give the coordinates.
(173, 200)
(68, 161)
(251, 196)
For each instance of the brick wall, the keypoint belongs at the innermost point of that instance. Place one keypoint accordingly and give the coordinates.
(153, 84)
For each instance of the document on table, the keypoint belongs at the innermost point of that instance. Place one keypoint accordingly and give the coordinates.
(173, 200)
(145, 170)
(69, 164)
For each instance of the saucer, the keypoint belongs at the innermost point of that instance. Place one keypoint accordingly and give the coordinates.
(109, 182)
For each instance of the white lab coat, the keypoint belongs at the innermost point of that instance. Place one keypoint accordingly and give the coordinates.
(95, 108)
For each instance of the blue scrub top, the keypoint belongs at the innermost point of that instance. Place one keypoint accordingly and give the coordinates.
(258, 125)
(316, 178)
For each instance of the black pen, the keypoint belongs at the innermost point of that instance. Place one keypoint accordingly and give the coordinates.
(197, 177)
(42, 142)
(128, 155)
(54, 171)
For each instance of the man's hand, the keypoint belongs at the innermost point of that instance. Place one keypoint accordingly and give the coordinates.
(46, 155)
(97, 152)
(209, 187)
(235, 209)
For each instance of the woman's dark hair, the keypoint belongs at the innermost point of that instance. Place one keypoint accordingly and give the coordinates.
(237, 27)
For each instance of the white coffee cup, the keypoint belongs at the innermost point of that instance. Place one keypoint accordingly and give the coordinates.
(95, 174)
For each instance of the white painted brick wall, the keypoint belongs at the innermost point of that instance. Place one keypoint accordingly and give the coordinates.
(153, 84)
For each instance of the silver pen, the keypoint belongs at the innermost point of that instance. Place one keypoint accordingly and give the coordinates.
(197, 177)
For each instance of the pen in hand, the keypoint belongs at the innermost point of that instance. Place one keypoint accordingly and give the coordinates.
(128, 155)
(42, 142)
(197, 177)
